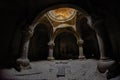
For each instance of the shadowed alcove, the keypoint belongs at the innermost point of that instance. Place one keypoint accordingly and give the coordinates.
(38, 48)
(66, 46)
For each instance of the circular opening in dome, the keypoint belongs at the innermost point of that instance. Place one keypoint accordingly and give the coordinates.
(62, 14)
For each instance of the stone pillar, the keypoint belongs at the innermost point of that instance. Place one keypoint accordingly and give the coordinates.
(23, 62)
(101, 47)
(80, 43)
(103, 64)
(89, 21)
(51, 46)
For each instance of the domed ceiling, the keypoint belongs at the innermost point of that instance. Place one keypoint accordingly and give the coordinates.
(62, 14)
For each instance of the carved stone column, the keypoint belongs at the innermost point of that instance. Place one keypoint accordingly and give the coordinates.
(51, 46)
(80, 43)
(103, 64)
(101, 47)
(23, 61)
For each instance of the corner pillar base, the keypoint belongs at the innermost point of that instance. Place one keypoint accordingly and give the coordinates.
(104, 65)
(51, 58)
(103, 58)
(81, 57)
(23, 64)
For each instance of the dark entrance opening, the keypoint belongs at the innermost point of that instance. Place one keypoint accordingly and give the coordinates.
(38, 49)
(66, 46)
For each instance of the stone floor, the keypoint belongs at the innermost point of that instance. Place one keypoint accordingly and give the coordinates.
(57, 70)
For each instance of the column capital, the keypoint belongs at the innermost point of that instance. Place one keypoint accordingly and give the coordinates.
(80, 42)
(28, 32)
(51, 43)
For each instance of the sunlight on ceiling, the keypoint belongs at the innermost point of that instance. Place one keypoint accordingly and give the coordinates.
(62, 14)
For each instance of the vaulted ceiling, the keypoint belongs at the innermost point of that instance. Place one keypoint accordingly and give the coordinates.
(16, 14)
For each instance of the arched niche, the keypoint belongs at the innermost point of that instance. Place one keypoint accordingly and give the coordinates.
(38, 46)
(66, 46)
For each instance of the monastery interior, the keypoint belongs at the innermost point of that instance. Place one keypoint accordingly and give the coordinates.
(41, 30)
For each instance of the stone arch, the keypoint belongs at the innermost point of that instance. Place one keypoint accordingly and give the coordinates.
(58, 31)
(83, 12)
(23, 61)
(79, 41)
(38, 48)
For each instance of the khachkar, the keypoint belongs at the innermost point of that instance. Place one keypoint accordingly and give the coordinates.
(23, 62)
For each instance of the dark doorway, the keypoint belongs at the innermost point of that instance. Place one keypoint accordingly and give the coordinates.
(38, 49)
(66, 46)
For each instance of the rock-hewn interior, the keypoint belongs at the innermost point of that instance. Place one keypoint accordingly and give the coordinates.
(76, 30)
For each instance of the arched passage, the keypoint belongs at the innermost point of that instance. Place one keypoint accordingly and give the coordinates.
(38, 48)
(66, 46)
